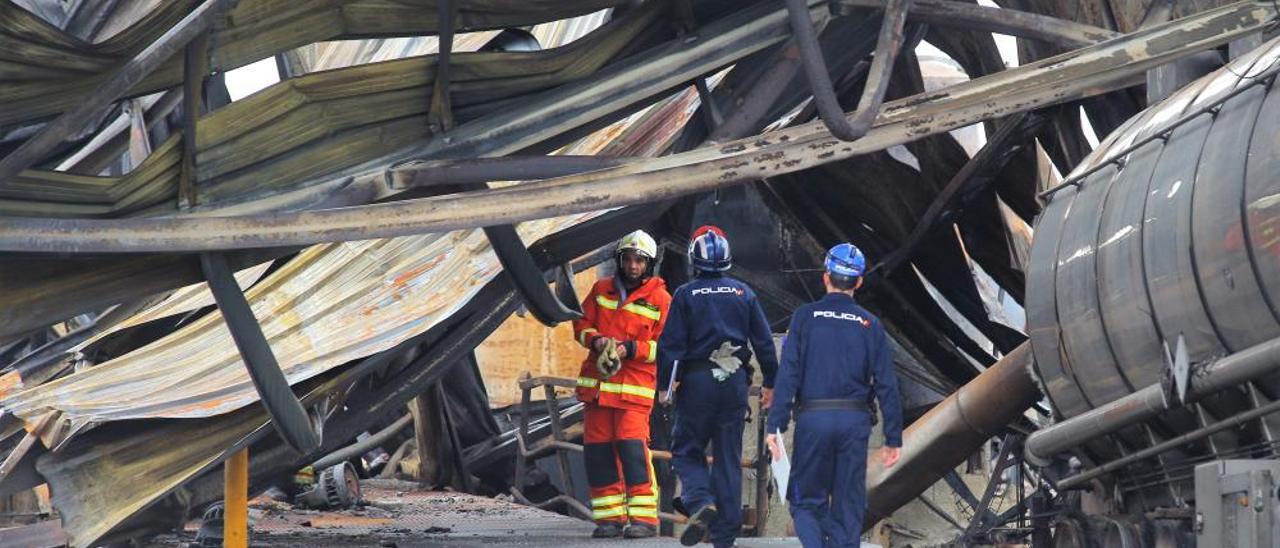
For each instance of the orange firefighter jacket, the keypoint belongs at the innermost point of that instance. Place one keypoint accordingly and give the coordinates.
(636, 322)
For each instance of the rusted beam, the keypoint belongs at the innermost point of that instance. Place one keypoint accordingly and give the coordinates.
(815, 69)
(1033, 26)
(504, 168)
(1098, 69)
(142, 64)
(194, 68)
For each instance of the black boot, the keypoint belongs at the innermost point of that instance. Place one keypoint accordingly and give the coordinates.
(698, 524)
(608, 529)
(640, 530)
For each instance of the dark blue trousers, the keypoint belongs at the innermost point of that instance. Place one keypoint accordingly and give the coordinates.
(711, 411)
(827, 490)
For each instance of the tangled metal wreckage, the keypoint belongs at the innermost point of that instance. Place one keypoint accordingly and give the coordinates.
(171, 257)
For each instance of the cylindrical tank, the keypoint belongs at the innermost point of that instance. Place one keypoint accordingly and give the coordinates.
(1173, 231)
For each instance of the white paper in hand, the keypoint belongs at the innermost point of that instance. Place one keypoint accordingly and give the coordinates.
(781, 468)
(671, 384)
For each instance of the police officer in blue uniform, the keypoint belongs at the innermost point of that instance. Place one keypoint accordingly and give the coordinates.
(835, 355)
(711, 320)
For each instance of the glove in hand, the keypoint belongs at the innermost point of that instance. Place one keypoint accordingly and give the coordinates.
(608, 362)
(726, 360)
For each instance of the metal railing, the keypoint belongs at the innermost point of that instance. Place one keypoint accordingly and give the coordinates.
(754, 515)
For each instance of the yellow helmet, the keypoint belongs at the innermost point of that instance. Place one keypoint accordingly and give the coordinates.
(641, 243)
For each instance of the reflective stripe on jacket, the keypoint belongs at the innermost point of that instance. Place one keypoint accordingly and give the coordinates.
(637, 320)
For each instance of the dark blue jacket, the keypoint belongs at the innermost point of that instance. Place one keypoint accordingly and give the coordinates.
(704, 313)
(835, 349)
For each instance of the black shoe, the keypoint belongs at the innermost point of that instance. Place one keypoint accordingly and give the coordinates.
(608, 529)
(640, 530)
(698, 525)
(677, 504)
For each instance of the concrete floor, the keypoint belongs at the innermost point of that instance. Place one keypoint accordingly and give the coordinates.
(400, 514)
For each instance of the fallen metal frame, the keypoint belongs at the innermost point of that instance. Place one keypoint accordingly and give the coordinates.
(1111, 65)
(133, 72)
(984, 516)
(560, 446)
(815, 69)
(88, 456)
(977, 172)
(529, 280)
(950, 13)
(244, 37)
(287, 414)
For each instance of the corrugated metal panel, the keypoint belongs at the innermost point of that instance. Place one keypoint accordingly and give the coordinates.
(332, 304)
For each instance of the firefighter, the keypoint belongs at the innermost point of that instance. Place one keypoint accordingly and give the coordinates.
(622, 319)
(835, 355)
(712, 319)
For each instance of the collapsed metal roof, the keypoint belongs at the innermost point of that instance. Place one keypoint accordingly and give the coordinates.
(353, 189)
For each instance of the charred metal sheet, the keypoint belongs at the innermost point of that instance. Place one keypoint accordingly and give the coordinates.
(164, 455)
(374, 293)
(106, 92)
(329, 125)
(329, 305)
(977, 172)
(1093, 70)
(255, 29)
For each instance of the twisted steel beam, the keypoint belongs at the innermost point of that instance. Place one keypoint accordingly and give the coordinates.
(1104, 67)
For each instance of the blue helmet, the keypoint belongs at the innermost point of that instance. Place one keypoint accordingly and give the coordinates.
(709, 250)
(846, 260)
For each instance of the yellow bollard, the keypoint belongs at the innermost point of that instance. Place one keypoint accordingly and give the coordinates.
(235, 519)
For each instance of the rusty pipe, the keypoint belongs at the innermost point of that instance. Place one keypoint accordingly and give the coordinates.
(951, 431)
(420, 173)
